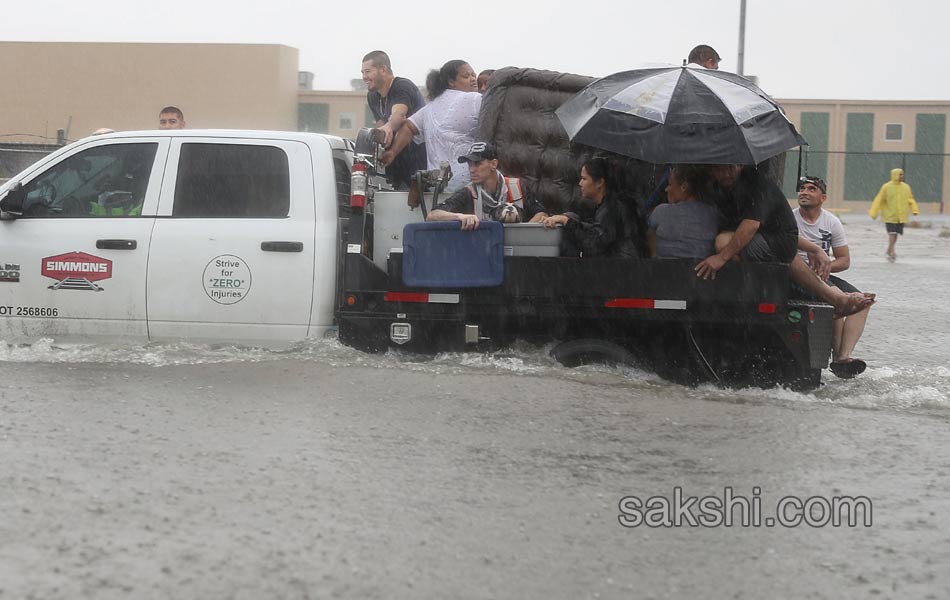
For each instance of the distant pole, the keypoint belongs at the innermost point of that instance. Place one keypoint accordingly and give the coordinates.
(741, 62)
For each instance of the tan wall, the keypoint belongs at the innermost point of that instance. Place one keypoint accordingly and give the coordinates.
(340, 103)
(123, 86)
(884, 112)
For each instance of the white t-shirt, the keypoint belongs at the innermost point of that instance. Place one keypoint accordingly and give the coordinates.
(827, 232)
(448, 125)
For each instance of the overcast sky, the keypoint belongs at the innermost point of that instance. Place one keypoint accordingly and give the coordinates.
(842, 49)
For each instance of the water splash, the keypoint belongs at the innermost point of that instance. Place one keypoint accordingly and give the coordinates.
(894, 388)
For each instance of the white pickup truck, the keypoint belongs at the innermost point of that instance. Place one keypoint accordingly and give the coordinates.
(255, 237)
(204, 235)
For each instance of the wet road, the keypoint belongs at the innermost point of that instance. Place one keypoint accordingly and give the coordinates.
(305, 481)
(151, 472)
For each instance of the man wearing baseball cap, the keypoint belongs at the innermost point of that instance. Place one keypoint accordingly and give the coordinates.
(823, 228)
(488, 193)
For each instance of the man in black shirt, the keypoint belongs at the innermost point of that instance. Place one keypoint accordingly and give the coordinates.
(766, 231)
(754, 198)
(392, 100)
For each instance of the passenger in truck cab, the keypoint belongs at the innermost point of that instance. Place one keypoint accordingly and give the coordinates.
(763, 229)
(490, 195)
(687, 226)
(598, 224)
(447, 125)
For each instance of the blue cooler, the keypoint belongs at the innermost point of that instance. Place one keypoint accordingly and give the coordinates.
(439, 254)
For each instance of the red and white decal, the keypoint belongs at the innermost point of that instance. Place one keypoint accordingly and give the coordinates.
(646, 303)
(423, 297)
(76, 271)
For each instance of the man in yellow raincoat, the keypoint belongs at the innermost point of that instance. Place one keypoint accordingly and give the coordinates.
(894, 202)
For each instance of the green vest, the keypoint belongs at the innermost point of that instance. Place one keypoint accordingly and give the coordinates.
(97, 210)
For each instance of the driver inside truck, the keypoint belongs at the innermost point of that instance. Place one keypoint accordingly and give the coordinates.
(121, 193)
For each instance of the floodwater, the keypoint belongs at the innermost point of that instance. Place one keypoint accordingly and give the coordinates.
(182, 471)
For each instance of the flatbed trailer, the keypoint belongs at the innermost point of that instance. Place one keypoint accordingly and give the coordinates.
(740, 329)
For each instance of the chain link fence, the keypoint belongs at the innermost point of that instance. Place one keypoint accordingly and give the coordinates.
(16, 157)
(858, 176)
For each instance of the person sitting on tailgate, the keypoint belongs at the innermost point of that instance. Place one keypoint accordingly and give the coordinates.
(490, 195)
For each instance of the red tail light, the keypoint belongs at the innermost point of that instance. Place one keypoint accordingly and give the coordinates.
(406, 297)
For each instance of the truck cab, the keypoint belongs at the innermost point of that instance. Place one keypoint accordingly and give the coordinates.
(185, 234)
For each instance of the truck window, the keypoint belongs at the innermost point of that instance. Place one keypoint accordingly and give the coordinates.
(232, 181)
(342, 174)
(105, 181)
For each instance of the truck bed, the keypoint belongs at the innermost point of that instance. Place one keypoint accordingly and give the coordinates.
(739, 329)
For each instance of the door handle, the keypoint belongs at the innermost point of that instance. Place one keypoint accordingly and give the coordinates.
(116, 244)
(282, 246)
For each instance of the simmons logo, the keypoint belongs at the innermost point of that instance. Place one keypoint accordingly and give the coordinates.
(76, 271)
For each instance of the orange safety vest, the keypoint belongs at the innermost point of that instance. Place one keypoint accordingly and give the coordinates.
(515, 194)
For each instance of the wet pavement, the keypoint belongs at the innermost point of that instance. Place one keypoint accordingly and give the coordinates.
(154, 472)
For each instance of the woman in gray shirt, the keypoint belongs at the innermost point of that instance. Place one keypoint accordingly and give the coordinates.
(687, 226)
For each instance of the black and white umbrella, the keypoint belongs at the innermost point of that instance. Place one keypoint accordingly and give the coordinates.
(673, 114)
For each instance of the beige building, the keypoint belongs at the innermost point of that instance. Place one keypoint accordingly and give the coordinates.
(854, 144)
(80, 87)
(336, 113)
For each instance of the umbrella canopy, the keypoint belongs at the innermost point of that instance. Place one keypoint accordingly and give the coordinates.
(676, 114)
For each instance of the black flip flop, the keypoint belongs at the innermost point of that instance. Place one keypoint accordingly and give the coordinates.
(848, 368)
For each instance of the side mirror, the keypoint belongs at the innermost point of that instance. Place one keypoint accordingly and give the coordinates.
(11, 206)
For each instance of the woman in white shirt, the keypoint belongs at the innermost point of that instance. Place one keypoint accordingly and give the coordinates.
(448, 124)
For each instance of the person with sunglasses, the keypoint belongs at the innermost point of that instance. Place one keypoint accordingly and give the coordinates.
(823, 228)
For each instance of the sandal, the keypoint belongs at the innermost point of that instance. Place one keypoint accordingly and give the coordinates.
(848, 368)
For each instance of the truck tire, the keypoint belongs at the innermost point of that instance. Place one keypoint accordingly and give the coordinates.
(574, 353)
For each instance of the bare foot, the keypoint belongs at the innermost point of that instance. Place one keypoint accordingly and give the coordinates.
(852, 303)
